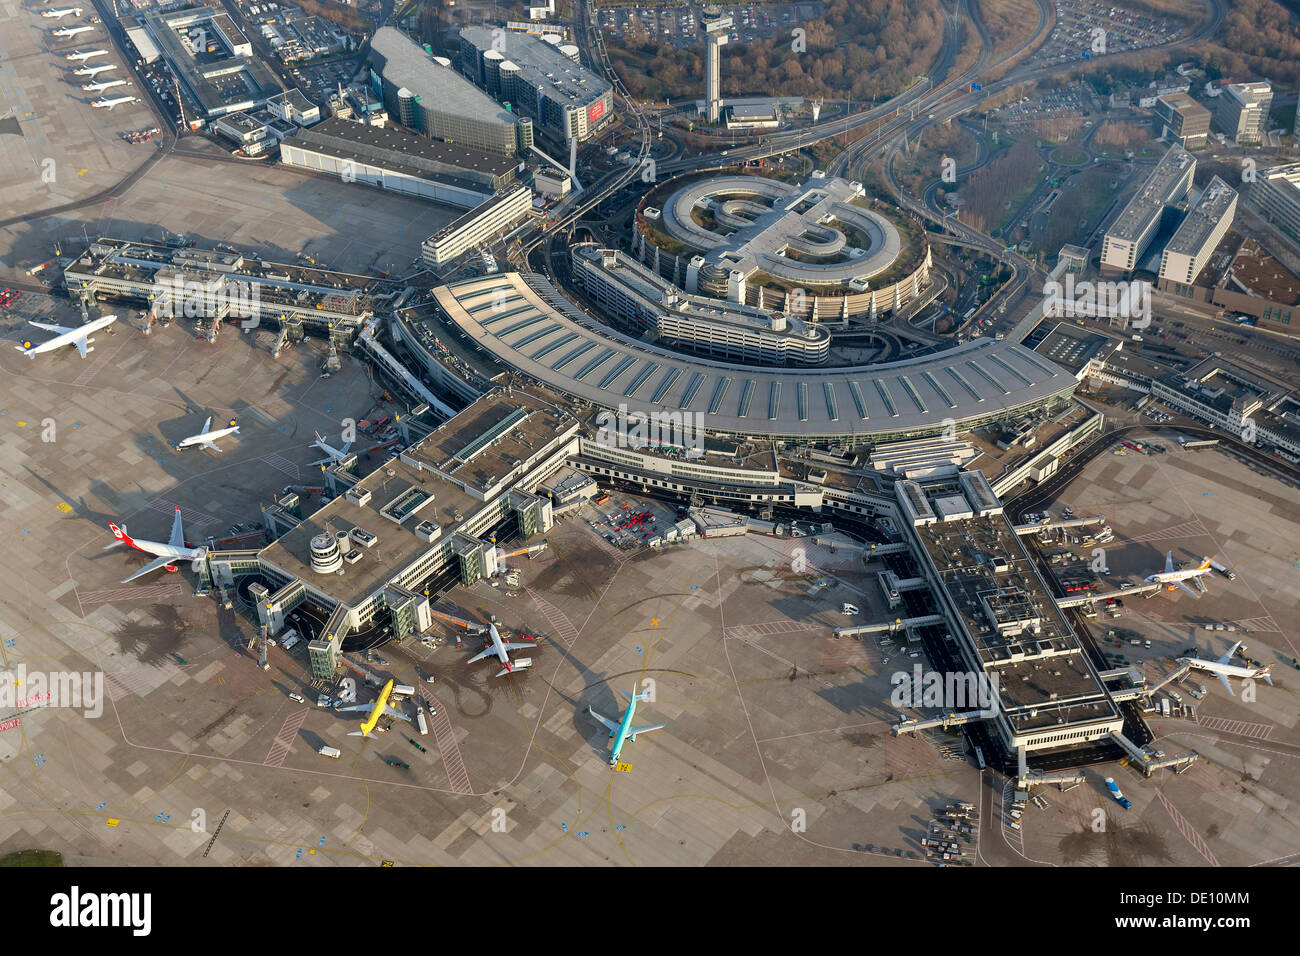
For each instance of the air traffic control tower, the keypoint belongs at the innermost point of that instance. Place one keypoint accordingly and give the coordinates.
(716, 28)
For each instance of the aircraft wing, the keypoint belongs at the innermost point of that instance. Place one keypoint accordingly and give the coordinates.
(61, 330)
(645, 730)
(323, 461)
(396, 713)
(1169, 561)
(366, 707)
(177, 539)
(1180, 584)
(212, 445)
(519, 647)
(207, 426)
(1227, 658)
(80, 343)
(487, 652)
(613, 727)
(1227, 686)
(153, 565)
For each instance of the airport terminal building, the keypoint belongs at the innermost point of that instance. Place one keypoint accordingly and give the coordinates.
(523, 323)
(426, 518)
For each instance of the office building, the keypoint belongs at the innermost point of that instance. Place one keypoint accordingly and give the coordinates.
(424, 93)
(1276, 194)
(1127, 238)
(1241, 112)
(480, 226)
(540, 77)
(1182, 119)
(1197, 236)
(642, 300)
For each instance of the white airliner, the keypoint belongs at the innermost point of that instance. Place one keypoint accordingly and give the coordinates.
(81, 56)
(499, 648)
(206, 438)
(1175, 579)
(166, 555)
(116, 101)
(102, 85)
(80, 337)
(1223, 668)
(93, 71)
(333, 454)
(71, 31)
(60, 14)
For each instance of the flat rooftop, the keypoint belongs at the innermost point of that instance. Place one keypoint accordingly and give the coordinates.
(1256, 272)
(1045, 678)
(526, 324)
(404, 63)
(656, 293)
(1068, 345)
(395, 148)
(1210, 208)
(479, 445)
(222, 84)
(542, 65)
(1164, 187)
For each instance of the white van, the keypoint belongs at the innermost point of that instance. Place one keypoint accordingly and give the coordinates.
(298, 697)
(330, 752)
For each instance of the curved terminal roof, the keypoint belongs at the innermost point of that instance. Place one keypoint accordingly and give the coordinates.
(526, 324)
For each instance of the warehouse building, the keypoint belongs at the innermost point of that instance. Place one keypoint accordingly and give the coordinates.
(540, 76)
(392, 159)
(424, 93)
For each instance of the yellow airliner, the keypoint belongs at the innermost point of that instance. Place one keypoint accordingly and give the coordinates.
(376, 710)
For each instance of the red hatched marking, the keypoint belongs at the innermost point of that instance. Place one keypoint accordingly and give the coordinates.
(750, 631)
(558, 620)
(445, 735)
(1188, 529)
(1241, 727)
(154, 592)
(188, 515)
(1187, 830)
(284, 739)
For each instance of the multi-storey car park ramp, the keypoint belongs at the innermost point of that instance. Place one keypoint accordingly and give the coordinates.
(524, 323)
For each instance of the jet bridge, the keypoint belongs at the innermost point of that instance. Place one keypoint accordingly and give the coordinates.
(945, 721)
(1036, 526)
(898, 624)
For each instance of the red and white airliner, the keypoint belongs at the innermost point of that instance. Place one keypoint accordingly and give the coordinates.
(165, 555)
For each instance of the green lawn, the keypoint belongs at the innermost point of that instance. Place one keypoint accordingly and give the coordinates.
(32, 858)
